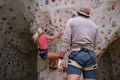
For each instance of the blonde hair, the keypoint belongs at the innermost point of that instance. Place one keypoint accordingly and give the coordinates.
(36, 35)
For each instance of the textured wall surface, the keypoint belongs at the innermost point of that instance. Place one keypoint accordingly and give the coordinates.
(17, 51)
(109, 64)
(105, 13)
(20, 18)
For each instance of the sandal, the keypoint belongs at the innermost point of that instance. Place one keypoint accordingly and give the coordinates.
(53, 68)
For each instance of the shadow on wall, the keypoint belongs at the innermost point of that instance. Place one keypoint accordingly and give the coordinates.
(17, 51)
(109, 64)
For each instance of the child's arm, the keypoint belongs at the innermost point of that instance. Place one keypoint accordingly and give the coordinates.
(55, 36)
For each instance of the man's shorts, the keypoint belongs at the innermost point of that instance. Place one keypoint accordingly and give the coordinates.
(82, 61)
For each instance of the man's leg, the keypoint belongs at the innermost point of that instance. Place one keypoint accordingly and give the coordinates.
(73, 77)
(89, 74)
(73, 73)
(88, 79)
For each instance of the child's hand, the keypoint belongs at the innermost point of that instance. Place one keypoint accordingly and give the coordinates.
(61, 32)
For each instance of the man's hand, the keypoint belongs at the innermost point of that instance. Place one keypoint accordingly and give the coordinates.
(60, 66)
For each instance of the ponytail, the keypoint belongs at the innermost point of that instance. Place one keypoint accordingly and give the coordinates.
(36, 35)
(35, 38)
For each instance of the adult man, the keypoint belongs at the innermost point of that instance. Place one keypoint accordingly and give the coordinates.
(80, 37)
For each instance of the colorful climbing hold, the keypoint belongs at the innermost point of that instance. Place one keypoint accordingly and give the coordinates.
(53, 0)
(47, 2)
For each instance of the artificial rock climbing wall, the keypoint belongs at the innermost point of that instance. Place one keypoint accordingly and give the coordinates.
(109, 63)
(20, 18)
(17, 51)
(105, 13)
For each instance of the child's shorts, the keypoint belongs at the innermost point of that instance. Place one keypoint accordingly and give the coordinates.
(43, 53)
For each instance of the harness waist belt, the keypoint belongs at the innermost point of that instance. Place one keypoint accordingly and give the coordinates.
(74, 63)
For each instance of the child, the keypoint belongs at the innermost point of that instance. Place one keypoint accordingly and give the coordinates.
(40, 39)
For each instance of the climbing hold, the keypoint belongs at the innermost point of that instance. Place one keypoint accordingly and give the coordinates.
(47, 2)
(53, 0)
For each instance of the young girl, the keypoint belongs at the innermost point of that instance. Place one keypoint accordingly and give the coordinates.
(40, 39)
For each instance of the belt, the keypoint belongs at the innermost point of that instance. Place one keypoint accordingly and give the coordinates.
(76, 49)
(42, 52)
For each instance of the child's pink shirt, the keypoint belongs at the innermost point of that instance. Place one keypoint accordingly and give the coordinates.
(42, 41)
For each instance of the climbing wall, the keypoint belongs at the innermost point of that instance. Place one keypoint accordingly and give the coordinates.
(105, 13)
(109, 64)
(52, 15)
(17, 51)
(19, 19)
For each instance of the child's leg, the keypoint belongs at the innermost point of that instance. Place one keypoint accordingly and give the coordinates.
(52, 57)
(52, 63)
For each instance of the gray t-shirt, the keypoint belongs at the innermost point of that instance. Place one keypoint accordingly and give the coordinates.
(79, 32)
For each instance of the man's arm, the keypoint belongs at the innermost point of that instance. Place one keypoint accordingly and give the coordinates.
(95, 42)
(65, 46)
(66, 38)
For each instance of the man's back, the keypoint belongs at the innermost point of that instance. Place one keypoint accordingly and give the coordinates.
(83, 32)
